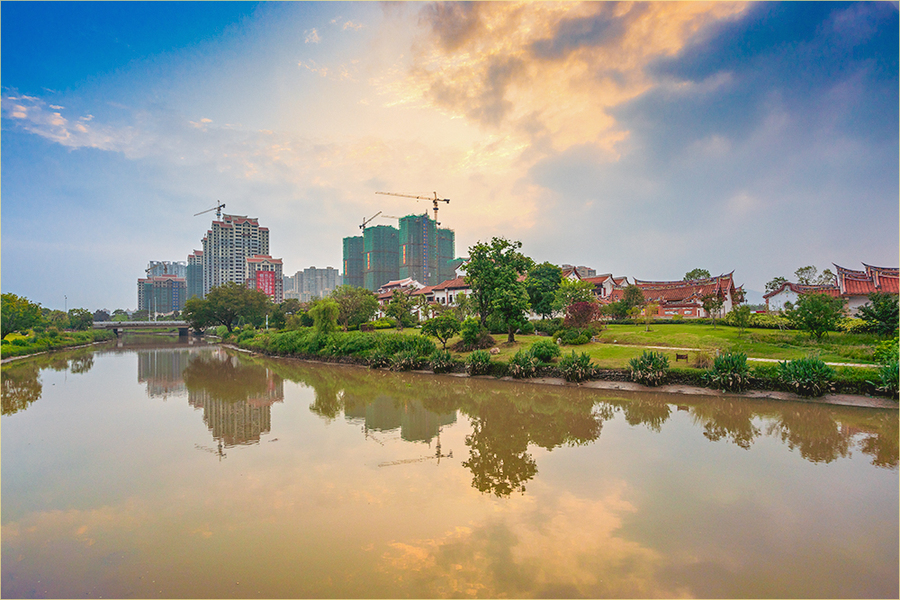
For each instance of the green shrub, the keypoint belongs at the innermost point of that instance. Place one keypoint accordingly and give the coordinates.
(21, 341)
(853, 325)
(474, 336)
(479, 363)
(221, 330)
(805, 376)
(406, 360)
(576, 368)
(353, 343)
(392, 343)
(729, 372)
(527, 328)
(441, 361)
(523, 364)
(650, 368)
(889, 374)
(384, 323)
(545, 350)
(573, 337)
(886, 351)
(379, 359)
(548, 326)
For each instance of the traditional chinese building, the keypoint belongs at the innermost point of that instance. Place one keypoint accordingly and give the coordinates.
(685, 298)
(855, 286)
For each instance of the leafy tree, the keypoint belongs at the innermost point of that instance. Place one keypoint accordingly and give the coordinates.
(281, 312)
(80, 319)
(650, 311)
(443, 327)
(809, 275)
(881, 313)
(17, 313)
(581, 314)
(463, 306)
(776, 283)
(696, 274)
(511, 307)
(616, 310)
(571, 291)
(817, 314)
(231, 300)
(140, 315)
(196, 313)
(633, 296)
(740, 317)
(400, 307)
(712, 304)
(324, 314)
(101, 315)
(541, 284)
(492, 272)
(356, 305)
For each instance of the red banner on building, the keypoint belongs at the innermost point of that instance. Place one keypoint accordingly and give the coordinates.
(265, 282)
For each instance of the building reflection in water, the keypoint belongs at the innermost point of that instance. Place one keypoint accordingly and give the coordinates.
(161, 369)
(235, 397)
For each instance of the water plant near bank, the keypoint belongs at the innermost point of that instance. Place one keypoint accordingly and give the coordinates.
(808, 376)
(478, 363)
(729, 372)
(576, 368)
(523, 364)
(650, 368)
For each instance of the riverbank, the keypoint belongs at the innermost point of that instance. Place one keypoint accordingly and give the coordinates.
(617, 380)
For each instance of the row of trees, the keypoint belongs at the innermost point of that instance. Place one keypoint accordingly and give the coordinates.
(18, 313)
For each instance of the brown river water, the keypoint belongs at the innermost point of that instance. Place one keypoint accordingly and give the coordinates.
(159, 469)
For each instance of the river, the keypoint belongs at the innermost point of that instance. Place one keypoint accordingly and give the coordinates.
(164, 469)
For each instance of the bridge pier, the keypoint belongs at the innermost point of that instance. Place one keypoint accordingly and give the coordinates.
(183, 331)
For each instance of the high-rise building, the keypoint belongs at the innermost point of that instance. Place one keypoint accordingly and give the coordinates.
(166, 267)
(418, 249)
(264, 274)
(194, 274)
(318, 283)
(227, 246)
(354, 261)
(381, 252)
(161, 294)
(446, 260)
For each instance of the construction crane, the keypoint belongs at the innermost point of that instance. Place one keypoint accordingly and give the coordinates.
(366, 221)
(435, 200)
(218, 210)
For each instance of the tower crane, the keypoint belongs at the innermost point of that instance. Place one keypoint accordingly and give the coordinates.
(218, 210)
(435, 200)
(366, 221)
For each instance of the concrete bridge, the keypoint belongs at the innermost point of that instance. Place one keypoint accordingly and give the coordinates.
(183, 327)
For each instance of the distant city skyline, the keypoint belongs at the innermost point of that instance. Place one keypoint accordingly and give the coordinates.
(643, 139)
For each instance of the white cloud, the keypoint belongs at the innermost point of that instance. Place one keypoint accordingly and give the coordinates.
(312, 36)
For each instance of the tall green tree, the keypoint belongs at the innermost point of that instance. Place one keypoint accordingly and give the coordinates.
(809, 275)
(712, 304)
(281, 312)
(18, 313)
(817, 314)
(881, 313)
(512, 307)
(324, 314)
(400, 307)
(492, 272)
(356, 305)
(80, 319)
(541, 284)
(443, 327)
(571, 291)
(633, 296)
(230, 301)
(196, 313)
(775, 283)
(696, 274)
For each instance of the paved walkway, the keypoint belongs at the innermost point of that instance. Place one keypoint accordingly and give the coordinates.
(773, 360)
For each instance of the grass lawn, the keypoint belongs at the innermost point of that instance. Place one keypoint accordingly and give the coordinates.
(619, 343)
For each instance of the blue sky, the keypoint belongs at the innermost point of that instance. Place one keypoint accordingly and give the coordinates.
(640, 139)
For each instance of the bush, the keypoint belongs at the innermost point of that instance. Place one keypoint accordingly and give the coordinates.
(392, 343)
(545, 350)
(441, 361)
(703, 360)
(474, 336)
(523, 364)
(576, 368)
(379, 359)
(650, 368)
(852, 325)
(574, 337)
(729, 372)
(886, 351)
(479, 363)
(384, 323)
(406, 360)
(527, 328)
(805, 376)
(548, 326)
(889, 374)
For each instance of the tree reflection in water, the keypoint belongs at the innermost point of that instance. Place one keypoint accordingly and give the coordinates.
(21, 382)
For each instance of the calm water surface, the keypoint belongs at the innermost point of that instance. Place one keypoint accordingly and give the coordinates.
(184, 470)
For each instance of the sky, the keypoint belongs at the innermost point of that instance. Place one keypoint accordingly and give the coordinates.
(640, 139)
